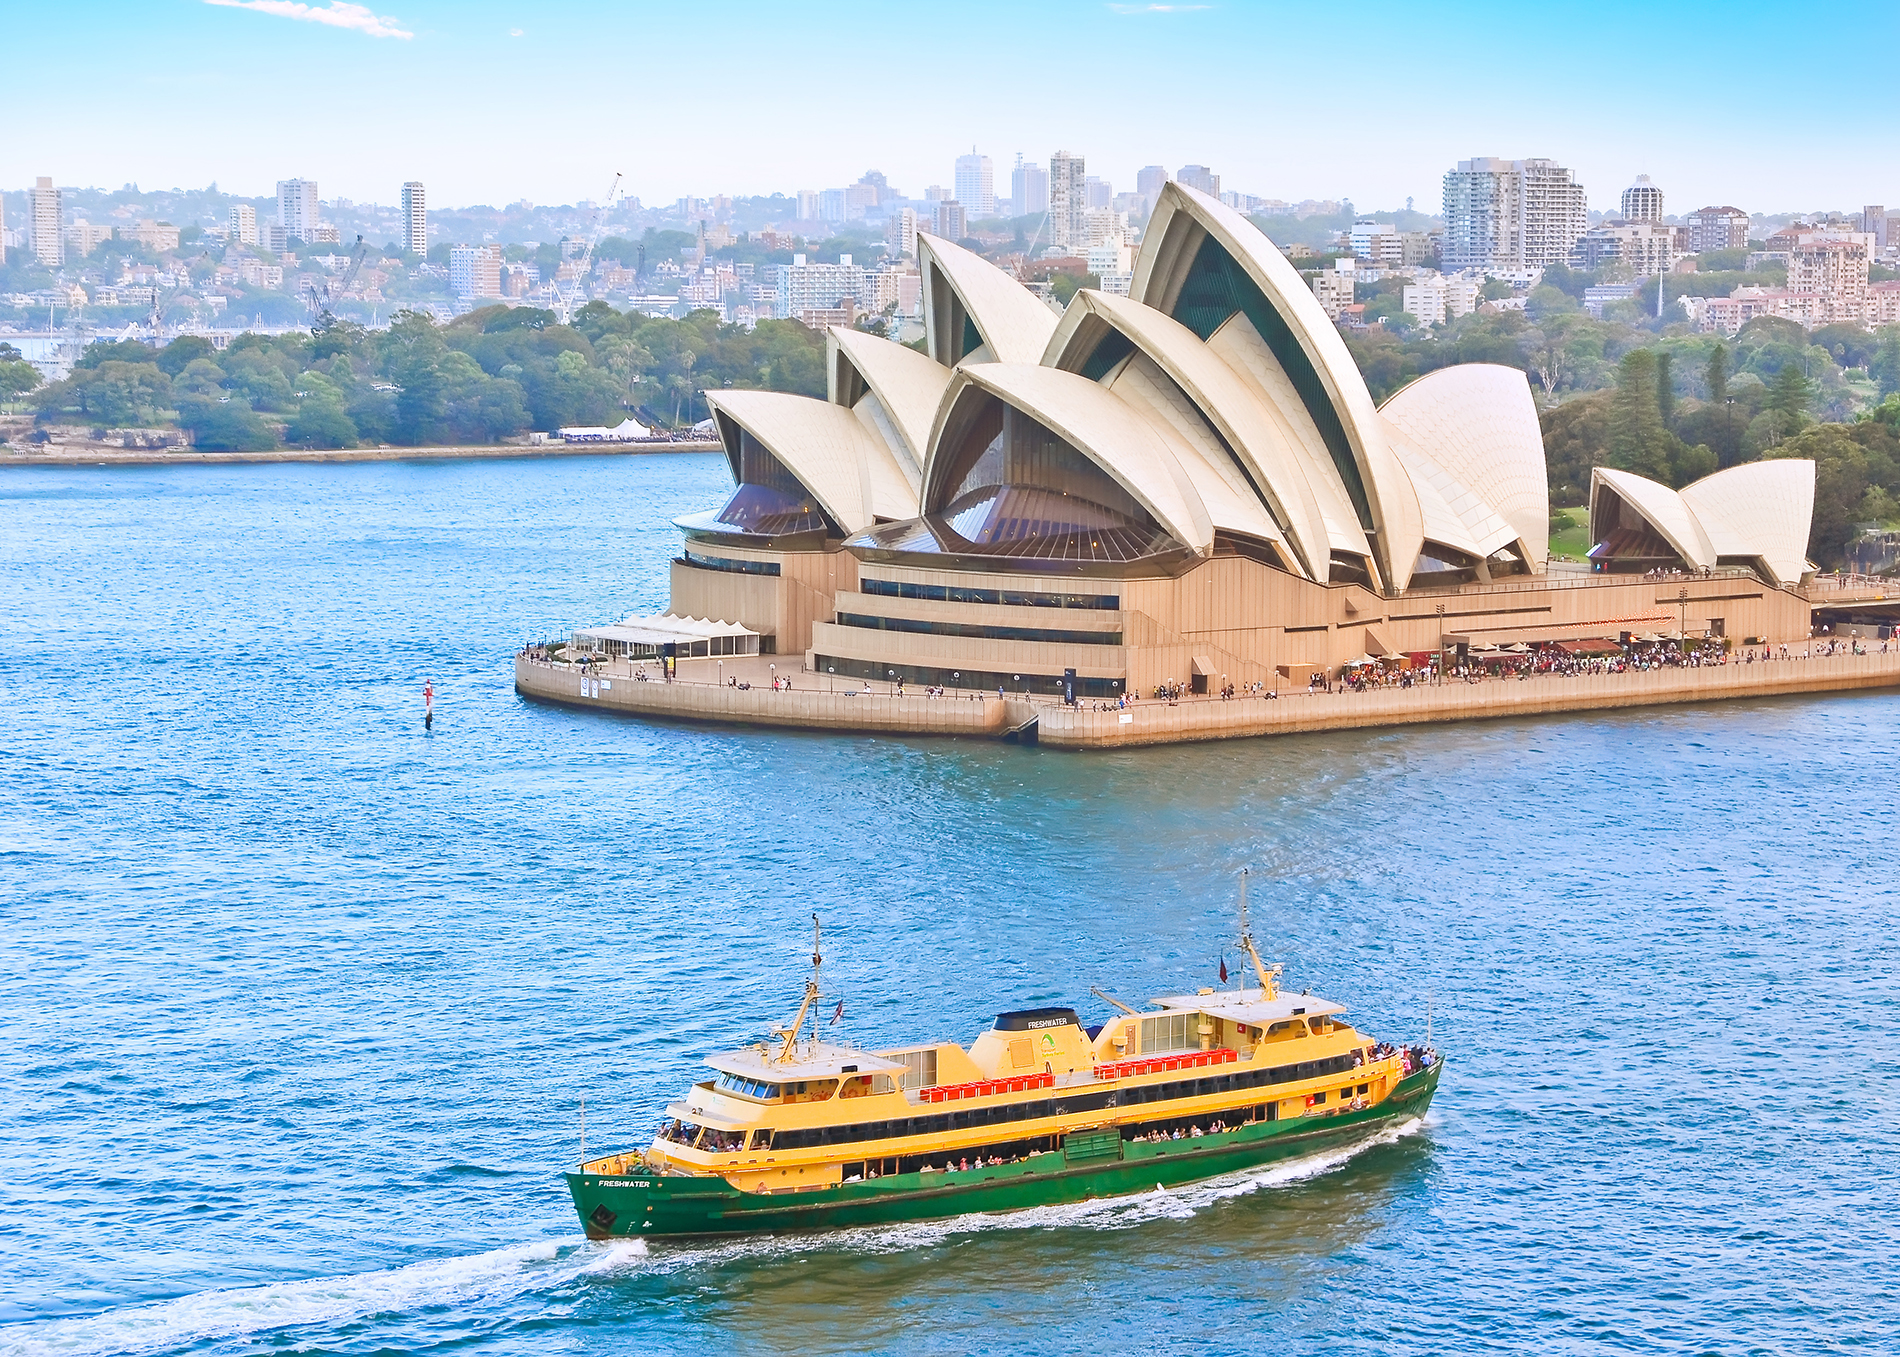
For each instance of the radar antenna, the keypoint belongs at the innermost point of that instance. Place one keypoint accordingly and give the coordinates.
(811, 993)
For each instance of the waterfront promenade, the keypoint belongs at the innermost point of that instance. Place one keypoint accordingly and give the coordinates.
(830, 704)
(99, 454)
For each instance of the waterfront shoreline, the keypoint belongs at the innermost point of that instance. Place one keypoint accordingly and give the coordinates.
(1193, 720)
(69, 457)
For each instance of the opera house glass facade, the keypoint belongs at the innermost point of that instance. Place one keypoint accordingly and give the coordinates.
(1190, 484)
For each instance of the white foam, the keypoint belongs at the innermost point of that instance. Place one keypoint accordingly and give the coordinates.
(317, 1300)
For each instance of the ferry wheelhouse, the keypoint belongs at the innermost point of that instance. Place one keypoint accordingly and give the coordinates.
(800, 1133)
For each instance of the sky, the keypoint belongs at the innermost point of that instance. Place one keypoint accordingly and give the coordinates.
(1767, 107)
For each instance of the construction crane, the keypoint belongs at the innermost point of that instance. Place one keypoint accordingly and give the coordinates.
(319, 295)
(565, 297)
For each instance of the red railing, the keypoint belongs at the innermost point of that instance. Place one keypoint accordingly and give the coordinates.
(1158, 1064)
(984, 1088)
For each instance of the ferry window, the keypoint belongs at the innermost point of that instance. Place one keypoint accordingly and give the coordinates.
(1169, 1032)
(1318, 1098)
(920, 1067)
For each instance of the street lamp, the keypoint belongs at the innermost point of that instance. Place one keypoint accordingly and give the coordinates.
(1441, 643)
(774, 668)
(956, 681)
(1682, 627)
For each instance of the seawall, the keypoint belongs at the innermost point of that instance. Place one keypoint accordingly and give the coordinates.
(1148, 722)
(68, 455)
(798, 708)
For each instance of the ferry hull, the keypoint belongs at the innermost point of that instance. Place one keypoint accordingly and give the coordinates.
(654, 1207)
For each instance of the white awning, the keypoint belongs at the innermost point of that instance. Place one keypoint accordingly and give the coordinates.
(663, 630)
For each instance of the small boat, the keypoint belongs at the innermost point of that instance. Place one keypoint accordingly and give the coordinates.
(797, 1133)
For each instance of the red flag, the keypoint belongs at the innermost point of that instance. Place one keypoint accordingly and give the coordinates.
(839, 1013)
(1223, 970)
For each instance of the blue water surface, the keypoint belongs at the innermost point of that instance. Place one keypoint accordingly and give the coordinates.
(299, 1002)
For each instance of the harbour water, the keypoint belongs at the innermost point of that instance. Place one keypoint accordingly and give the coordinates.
(299, 1002)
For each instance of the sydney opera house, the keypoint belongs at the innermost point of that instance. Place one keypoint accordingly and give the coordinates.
(1190, 484)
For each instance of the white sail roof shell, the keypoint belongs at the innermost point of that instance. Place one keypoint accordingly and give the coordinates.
(1661, 507)
(1143, 456)
(906, 383)
(1168, 249)
(1477, 424)
(1015, 324)
(1760, 509)
(848, 469)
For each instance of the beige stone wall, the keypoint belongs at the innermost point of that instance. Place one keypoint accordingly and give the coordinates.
(783, 606)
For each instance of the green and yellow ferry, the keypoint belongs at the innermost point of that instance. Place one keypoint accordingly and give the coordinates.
(803, 1134)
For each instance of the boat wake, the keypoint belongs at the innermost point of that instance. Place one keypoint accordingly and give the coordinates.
(241, 1311)
(546, 1266)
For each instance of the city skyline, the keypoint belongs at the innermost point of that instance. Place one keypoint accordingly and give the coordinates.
(425, 64)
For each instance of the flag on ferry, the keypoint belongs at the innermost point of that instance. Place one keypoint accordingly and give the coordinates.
(1223, 969)
(838, 1012)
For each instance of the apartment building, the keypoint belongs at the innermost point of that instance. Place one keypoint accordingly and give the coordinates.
(1435, 299)
(475, 272)
(243, 229)
(1199, 177)
(1717, 228)
(1511, 214)
(1068, 201)
(804, 287)
(1028, 187)
(46, 221)
(1643, 201)
(1334, 289)
(1639, 248)
(975, 181)
(415, 219)
(297, 209)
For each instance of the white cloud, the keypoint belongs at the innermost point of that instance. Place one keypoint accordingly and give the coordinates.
(514, 32)
(338, 14)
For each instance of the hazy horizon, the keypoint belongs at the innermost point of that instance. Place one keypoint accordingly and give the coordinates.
(550, 101)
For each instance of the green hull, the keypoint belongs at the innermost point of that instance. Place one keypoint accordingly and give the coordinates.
(619, 1207)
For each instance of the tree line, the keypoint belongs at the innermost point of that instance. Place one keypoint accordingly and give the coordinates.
(484, 376)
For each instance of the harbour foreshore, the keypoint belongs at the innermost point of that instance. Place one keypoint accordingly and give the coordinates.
(1190, 719)
(68, 455)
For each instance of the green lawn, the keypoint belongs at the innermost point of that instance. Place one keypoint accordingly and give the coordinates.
(1574, 539)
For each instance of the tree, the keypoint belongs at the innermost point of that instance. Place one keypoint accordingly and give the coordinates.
(1790, 394)
(1638, 441)
(1718, 374)
(16, 378)
(225, 426)
(1840, 485)
(182, 352)
(320, 421)
(1665, 387)
(1576, 437)
(1885, 365)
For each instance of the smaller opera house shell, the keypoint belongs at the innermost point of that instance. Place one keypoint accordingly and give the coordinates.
(1184, 485)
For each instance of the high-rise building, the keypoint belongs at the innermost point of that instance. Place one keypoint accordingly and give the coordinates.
(475, 271)
(1148, 182)
(1642, 200)
(1511, 214)
(47, 223)
(1717, 228)
(976, 186)
(950, 219)
(1101, 193)
(415, 219)
(243, 224)
(1199, 177)
(831, 204)
(272, 236)
(297, 207)
(1873, 221)
(1068, 200)
(808, 204)
(3, 230)
(900, 232)
(1028, 187)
